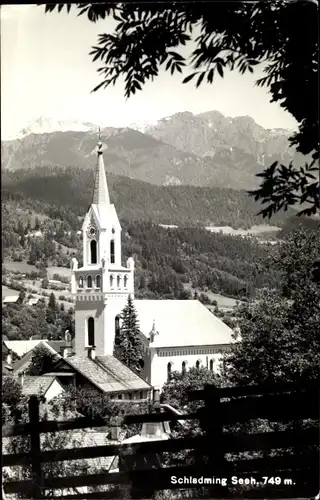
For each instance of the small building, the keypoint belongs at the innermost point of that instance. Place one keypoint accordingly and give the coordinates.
(33, 301)
(47, 385)
(11, 299)
(103, 373)
(55, 282)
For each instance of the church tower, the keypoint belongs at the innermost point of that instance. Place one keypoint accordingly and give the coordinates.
(101, 287)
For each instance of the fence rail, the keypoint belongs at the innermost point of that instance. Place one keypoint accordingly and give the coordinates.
(291, 454)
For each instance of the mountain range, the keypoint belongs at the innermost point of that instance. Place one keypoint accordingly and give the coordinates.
(206, 149)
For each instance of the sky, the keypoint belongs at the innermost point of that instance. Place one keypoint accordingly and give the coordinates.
(46, 71)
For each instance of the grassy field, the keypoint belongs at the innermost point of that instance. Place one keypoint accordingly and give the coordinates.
(257, 231)
(63, 271)
(22, 267)
(224, 303)
(8, 292)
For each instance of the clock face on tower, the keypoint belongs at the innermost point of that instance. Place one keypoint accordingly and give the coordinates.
(92, 232)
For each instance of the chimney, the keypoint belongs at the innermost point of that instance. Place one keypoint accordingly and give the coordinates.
(156, 400)
(67, 338)
(92, 352)
(114, 428)
(21, 378)
(9, 358)
(64, 351)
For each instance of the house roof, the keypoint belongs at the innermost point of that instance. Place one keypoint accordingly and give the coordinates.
(22, 363)
(25, 360)
(33, 301)
(151, 431)
(107, 373)
(57, 344)
(10, 299)
(35, 385)
(22, 347)
(181, 323)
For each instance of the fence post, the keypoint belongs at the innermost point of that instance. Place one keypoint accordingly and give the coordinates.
(34, 419)
(214, 434)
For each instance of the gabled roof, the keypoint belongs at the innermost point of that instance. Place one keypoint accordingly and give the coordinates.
(107, 373)
(23, 363)
(22, 347)
(35, 385)
(181, 323)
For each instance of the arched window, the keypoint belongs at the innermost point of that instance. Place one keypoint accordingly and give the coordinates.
(198, 365)
(183, 367)
(169, 366)
(111, 281)
(125, 281)
(98, 281)
(117, 324)
(80, 282)
(112, 255)
(118, 281)
(91, 331)
(89, 282)
(211, 365)
(93, 251)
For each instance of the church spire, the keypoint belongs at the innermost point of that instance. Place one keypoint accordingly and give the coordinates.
(101, 193)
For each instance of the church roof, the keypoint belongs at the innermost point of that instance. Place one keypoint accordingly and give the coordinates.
(108, 373)
(181, 323)
(100, 193)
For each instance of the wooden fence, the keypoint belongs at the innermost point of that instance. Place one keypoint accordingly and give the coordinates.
(284, 463)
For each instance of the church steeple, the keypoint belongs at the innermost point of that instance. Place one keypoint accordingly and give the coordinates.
(101, 192)
(102, 285)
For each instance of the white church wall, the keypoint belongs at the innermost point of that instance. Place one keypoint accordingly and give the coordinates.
(113, 308)
(83, 311)
(159, 365)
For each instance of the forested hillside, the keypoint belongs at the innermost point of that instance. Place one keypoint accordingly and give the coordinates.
(63, 189)
(169, 261)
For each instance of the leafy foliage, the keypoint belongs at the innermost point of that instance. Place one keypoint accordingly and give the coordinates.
(175, 390)
(11, 395)
(128, 345)
(42, 362)
(50, 441)
(233, 36)
(20, 322)
(280, 330)
(285, 186)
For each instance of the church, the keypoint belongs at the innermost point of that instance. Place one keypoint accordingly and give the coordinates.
(176, 334)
